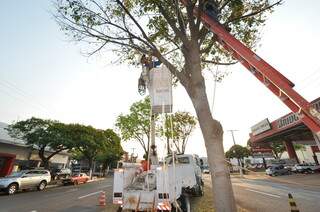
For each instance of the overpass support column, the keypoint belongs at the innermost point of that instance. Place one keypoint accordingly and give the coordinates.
(290, 149)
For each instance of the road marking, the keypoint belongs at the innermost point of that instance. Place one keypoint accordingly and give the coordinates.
(260, 192)
(107, 186)
(88, 195)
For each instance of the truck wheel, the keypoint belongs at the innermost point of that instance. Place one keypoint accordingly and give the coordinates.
(12, 188)
(185, 203)
(119, 209)
(199, 191)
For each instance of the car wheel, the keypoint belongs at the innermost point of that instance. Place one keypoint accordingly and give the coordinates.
(309, 171)
(12, 188)
(42, 185)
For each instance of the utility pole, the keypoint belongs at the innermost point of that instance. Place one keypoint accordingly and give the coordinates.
(234, 143)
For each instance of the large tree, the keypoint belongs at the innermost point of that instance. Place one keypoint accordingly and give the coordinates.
(170, 32)
(178, 127)
(47, 136)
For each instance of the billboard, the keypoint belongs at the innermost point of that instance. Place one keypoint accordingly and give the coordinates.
(160, 90)
(261, 127)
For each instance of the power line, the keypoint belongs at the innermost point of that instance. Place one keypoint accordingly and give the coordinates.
(21, 95)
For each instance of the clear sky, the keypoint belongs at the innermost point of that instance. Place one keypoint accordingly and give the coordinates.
(44, 75)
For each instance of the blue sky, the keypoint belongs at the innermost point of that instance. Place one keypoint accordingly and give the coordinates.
(43, 75)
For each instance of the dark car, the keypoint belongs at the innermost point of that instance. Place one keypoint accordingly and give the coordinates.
(58, 174)
(276, 170)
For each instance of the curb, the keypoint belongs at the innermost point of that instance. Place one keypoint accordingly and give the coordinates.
(61, 185)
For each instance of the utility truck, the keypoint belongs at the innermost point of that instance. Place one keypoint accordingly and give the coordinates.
(163, 187)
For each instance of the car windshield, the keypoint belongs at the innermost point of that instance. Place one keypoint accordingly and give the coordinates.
(16, 174)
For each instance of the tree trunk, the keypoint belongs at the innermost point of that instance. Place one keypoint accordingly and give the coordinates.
(212, 132)
(45, 164)
(45, 161)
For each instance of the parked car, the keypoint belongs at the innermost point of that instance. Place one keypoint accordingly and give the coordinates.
(76, 179)
(276, 170)
(26, 179)
(306, 168)
(58, 174)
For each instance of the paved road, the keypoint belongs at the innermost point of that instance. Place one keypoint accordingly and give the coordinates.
(81, 198)
(266, 196)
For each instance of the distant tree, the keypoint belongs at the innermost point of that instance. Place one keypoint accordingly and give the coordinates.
(47, 136)
(278, 148)
(136, 124)
(238, 151)
(178, 127)
(112, 151)
(90, 142)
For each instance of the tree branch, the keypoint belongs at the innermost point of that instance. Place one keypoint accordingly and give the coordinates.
(225, 3)
(253, 13)
(137, 24)
(219, 63)
(172, 23)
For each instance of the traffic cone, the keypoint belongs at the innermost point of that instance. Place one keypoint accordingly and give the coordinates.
(292, 203)
(102, 199)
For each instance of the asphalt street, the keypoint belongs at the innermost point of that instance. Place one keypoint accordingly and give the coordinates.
(267, 196)
(80, 198)
(259, 195)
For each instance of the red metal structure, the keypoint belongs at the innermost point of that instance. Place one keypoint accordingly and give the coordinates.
(264, 72)
(6, 164)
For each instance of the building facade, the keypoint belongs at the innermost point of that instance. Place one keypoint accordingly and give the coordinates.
(25, 157)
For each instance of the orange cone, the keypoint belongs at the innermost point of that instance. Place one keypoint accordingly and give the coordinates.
(102, 199)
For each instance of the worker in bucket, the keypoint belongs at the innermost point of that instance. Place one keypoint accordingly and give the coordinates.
(211, 9)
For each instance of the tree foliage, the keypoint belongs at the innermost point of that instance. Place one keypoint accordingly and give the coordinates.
(51, 137)
(238, 151)
(179, 127)
(165, 29)
(136, 124)
(95, 145)
(278, 148)
(113, 152)
(46, 136)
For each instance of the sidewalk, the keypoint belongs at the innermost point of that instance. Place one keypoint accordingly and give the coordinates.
(57, 183)
(205, 203)
(309, 180)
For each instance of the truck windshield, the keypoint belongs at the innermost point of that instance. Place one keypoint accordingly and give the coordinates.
(179, 160)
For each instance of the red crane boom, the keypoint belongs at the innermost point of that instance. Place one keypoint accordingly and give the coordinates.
(264, 72)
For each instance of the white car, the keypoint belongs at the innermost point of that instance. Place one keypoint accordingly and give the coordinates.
(25, 180)
(306, 168)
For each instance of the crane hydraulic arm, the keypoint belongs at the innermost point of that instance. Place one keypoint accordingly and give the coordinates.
(265, 73)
